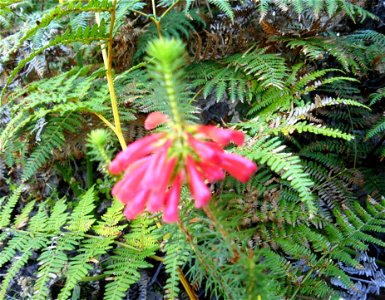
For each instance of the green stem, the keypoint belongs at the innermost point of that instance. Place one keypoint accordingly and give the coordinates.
(153, 8)
(167, 77)
(169, 9)
(90, 176)
(93, 278)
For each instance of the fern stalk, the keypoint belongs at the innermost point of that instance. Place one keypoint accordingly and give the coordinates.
(105, 121)
(104, 52)
(107, 59)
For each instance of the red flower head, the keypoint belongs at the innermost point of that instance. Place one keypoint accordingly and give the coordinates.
(156, 166)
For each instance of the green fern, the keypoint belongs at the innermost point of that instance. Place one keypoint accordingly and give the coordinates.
(377, 129)
(129, 257)
(316, 7)
(223, 5)
(288, 166)
(81, 219)
(79, 265)
(177, 254)
(6, 210)
(87, 35)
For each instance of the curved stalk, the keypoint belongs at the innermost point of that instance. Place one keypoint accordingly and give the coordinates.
(111, 88)
(107, 59)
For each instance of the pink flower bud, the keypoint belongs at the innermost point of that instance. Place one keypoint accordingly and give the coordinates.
(198, 188)
(154, 119)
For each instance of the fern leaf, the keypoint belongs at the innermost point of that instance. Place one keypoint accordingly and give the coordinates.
(6, 211)
(109, 226)
(81, 219)
(79, 265)
(52, 261)
(176, 255)
(269, 152)
(123, 265)
(33, 244)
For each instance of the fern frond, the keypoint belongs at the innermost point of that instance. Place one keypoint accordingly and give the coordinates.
(62, 10)
(79, 265)
(300, 112)
(127, 259)
(87, 35)
(52, 261)
(268, 69)
(6, 210)
(177, 254)
(33, 244)
(224, 6)
(378, 128)
(81, 219)
(288, 166)
(109, 226)
(123, 265)
(22, 219)
(315, 129)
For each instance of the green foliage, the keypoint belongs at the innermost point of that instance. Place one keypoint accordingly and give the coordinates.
(166, 59)
(124, 264)
(238, 74)
(69, 250)
(331, 8)
(177, 254)
(223, 5)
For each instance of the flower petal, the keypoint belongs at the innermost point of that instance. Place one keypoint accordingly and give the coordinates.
(198, 188)
(222, 136)
(170, 213)
(156, 201)
(136, 150)
(137, 205)
(212, 172)
(238, 166)
(206, 150)
(128, 185)
(154, 119)
(156, 167)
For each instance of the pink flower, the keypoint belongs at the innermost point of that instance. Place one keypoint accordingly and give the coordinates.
(137, 149)
(222, 136)
(156, 166)
(238, 166)
(198, 188)
(170, 213)
(154, 119)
